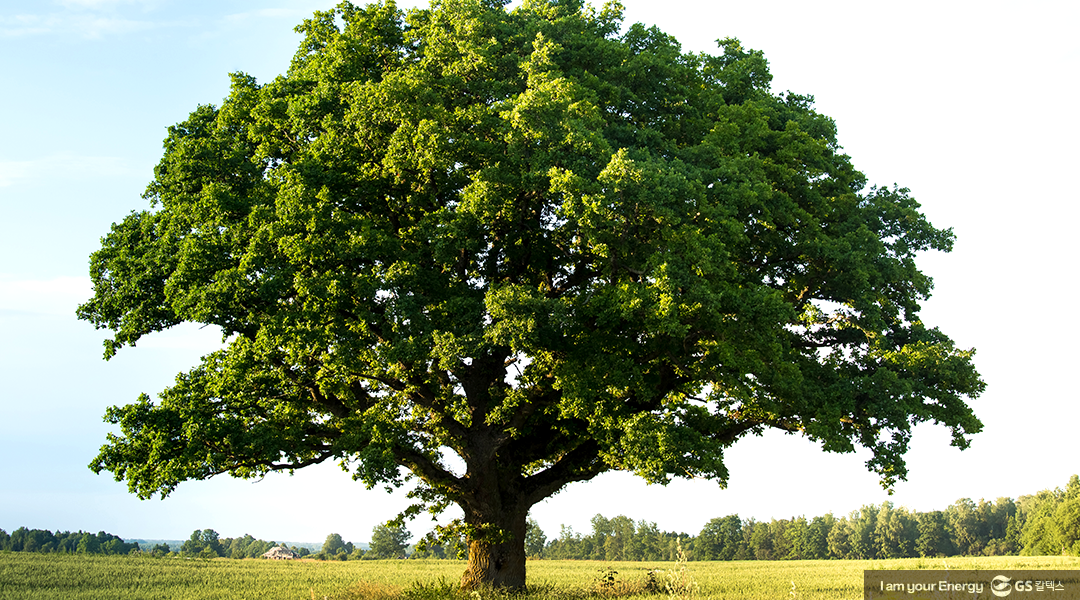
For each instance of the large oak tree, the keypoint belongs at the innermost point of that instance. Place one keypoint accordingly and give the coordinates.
(530, 242)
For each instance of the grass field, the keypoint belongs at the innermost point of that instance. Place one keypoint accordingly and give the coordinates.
(30, 576)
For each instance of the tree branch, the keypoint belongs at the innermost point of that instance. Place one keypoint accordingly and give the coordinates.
(580, 464)
(430, 471)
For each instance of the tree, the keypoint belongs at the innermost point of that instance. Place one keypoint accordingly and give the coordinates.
(565, 546)
(816, 541)
(88, 544)
(333, 544)
(647, 541)
(388, 541)
(933, 540)
(719, 539)
(896, 532)
(761, 542)
(963, 525)
(237, 547)
(527, 240)
(302, 551)
(997, 517)
(1041, 535)
(783, 545)
(1067, 516)
(34, 541)
(863, 536)
(535, 540)
(203, 543)
(617, 545)
(839, 539)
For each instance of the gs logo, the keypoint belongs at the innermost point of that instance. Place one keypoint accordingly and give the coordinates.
(1002, 586)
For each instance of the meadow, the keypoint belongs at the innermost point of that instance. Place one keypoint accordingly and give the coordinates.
(32, 576)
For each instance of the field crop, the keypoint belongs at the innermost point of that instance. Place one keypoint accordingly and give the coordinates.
(30, 576)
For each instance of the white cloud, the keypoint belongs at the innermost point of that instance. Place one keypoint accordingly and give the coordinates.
(57, 296)
(95, 19)
(271, 13)
(63, 166)
(105, 4)
(243, 19)
(12, 171)
(24, 25)
(97, 27)
(86, 24)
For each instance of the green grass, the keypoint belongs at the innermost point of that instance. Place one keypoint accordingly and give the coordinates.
(29, 576)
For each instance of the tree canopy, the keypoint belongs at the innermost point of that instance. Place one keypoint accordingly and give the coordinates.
(534, 243)
(334, 544)
(388, 541)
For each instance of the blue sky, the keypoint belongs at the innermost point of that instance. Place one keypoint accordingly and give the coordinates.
(968, 104)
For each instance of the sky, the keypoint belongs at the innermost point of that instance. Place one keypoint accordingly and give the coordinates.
(965, 103)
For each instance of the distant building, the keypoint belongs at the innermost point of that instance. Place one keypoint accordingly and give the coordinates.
(280, 553)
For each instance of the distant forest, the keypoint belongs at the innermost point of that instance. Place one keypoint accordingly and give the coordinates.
(203, 543)
(80, 542)
(1046, 523)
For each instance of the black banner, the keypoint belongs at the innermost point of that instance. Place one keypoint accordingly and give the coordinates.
(972, 585)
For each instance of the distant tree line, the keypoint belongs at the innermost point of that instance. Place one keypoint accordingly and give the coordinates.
(619, 538)
(1046, 523)
(206, 543)
(391, 541)
(386, 542)
(65, 542)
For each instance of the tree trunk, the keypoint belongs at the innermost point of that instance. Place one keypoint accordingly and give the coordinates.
(497, 563)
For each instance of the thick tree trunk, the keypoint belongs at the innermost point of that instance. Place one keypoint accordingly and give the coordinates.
(499, 563)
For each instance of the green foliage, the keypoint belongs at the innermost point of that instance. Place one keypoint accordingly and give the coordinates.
(245, 546)
(334, 544)
(66, 542)
(720, 539)
(616, 539)
(839, 539)
(1042, 524)
(896, 532)
(1049, 522)
(203, 544)
(529, 239)
(535, 540)
(388, 541)
(933, 540)
(815, 543)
